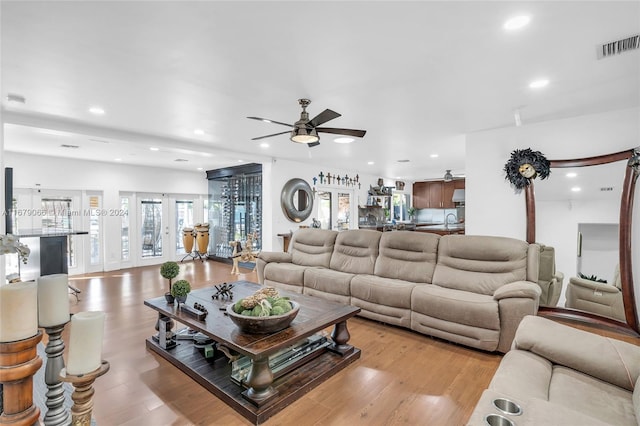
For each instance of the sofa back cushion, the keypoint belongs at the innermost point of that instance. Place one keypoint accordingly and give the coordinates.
(356, 251)
(312, 247)
(480, 264)
(407, 255)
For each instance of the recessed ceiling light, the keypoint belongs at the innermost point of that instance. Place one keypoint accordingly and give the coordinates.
(516, 22)
(576, 189)
(153, 148)
(264, 145)
(117, 159)
(240, 161)
(198, 132)
(370, 163)
(434, 156)
(571, 175)
(200, 168)
(538, 84)
(14, 97)
(96, 110)
(343, 140)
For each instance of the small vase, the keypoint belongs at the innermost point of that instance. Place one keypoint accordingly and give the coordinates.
(181, 299)
(170, 299)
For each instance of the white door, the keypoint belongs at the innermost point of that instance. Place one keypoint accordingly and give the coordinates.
(153, 229)
(94, 250)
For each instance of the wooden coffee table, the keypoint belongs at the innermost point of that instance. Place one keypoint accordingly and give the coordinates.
(265, 395)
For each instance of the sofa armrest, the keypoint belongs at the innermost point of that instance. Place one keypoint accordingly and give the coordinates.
(607, 359)
(526, 289)
(275, 256)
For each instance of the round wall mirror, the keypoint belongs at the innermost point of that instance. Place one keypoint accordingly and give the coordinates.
(296, 200)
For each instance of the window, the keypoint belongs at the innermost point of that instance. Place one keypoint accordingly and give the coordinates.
(124, 228)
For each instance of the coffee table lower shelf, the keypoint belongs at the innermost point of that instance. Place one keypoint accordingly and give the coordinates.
(214, 375)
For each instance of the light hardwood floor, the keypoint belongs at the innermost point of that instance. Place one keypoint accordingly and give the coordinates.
(402, 377)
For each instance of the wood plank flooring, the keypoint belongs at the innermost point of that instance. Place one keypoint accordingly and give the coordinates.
(402, 377)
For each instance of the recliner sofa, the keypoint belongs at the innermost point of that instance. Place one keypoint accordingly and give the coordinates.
(468, 289)
(560, 375)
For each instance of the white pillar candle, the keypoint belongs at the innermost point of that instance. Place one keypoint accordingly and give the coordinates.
(53, 300)
(18, 311)
(85, 342)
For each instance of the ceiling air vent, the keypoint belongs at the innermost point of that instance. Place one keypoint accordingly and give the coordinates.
(180, 160)
(619, 46)
(606, 188)
(64, 145)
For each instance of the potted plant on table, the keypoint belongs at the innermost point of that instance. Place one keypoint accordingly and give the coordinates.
(169, 270)
(180, 290)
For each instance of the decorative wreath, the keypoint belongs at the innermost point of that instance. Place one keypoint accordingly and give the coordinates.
(524, 166)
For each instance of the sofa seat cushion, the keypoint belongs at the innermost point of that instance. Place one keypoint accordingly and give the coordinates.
(382, 291)
(458, 306)
(591, 396)
(328, 284)
(285, 273)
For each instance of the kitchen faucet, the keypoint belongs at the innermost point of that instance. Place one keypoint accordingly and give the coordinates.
(446, 220)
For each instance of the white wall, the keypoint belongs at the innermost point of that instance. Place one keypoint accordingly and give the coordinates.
(492, 208)
(40, 172)
(277, 173)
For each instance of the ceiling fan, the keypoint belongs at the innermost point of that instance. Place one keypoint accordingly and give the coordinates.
(306, 131)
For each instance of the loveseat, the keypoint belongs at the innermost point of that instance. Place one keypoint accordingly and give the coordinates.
(559, 375)
(468, 289)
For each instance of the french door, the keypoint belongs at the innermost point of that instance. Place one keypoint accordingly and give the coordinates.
(153, 229)
(335, 209)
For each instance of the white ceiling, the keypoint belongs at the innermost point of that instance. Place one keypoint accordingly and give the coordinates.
(417, 76)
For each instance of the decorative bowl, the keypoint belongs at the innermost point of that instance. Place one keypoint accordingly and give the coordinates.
(263, 325)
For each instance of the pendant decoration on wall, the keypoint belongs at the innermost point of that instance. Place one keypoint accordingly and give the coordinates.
(524, 166)
(335, 179)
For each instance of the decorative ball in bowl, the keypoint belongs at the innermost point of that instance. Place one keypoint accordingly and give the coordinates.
(263, 324)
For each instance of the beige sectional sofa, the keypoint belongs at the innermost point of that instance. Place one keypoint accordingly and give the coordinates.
(560, 375)
(472, 290)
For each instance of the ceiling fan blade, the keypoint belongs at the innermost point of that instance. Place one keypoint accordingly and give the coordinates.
(312, 144)
(266, 120)
(268, 136)
(323, 117)
(348, 132)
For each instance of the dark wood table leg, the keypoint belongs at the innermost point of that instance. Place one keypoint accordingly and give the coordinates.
(340, 336)
(259, 381)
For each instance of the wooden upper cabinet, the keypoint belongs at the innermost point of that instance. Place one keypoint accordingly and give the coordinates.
(447, 192)
(436, 194)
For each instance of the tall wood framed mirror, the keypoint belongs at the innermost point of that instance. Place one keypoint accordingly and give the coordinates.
(584, 211)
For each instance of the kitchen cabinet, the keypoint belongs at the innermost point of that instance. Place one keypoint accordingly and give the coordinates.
(436, 194)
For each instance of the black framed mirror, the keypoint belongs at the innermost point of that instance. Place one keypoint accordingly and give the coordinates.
(296, 200)
(623, 167)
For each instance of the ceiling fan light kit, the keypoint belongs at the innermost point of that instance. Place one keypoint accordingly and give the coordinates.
(306, 131)
(448, 177)
(302, 135)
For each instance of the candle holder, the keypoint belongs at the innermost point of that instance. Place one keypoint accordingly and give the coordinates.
(19, 361)
(83, 394)
(56, 412)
